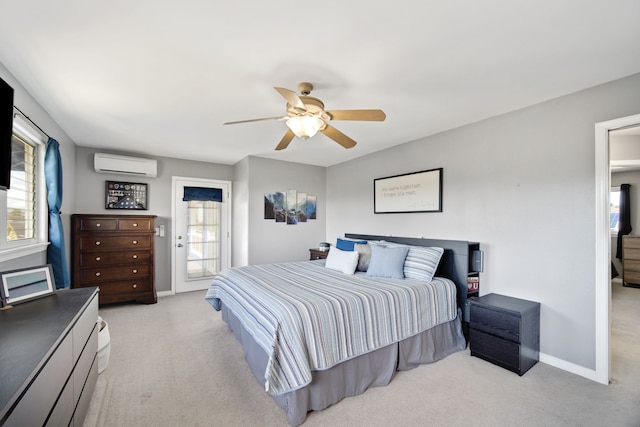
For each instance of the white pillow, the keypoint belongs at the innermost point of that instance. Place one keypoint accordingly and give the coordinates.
(344, 261)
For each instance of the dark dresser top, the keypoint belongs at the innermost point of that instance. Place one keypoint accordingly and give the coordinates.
(505, 303)
(30, 333)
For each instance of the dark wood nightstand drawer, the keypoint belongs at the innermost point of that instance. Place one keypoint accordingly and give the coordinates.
(505, 331)
(502, 324)
(317, 254)
(499, 351)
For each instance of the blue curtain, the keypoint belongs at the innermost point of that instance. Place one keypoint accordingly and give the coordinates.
(203, 194)
(56, 255)
(624, 224)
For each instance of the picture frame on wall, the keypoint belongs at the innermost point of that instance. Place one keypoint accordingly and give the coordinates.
(26, 284)
(408, 193)
(126, 195)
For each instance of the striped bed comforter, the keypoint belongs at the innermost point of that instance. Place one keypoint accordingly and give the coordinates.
(307, 317)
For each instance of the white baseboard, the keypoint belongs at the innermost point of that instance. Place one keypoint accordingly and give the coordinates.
(569, 367)
(164, 294)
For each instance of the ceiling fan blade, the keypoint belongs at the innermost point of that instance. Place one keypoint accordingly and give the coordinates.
(256, 120)
(292, 98)
(286, 139)
(364, 115)
(338, 137)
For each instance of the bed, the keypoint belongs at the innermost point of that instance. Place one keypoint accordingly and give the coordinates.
(313, 335)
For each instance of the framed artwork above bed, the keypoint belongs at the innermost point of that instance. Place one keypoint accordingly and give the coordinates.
(408, 193)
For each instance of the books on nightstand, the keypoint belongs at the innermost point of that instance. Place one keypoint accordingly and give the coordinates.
(473, 283)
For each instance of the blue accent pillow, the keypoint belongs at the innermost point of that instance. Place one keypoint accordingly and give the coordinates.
(387, 262)
(348, 244)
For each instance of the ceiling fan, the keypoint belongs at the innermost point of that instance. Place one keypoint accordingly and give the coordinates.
(306, 116)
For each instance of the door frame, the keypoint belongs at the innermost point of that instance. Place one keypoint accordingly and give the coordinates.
(174, 180)
(603, 245)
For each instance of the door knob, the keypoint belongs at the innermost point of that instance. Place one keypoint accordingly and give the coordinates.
(180, 245)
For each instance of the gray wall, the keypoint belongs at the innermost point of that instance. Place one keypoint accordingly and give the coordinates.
(271, 241)
(35, 112)
(522, 184)
(90, 199)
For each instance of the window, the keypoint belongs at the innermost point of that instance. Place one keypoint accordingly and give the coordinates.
(21, 197)
(23, 208)
(614, 210)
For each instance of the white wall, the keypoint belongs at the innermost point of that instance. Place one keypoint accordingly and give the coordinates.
(522, 184)
(90, 199)
(240, 225)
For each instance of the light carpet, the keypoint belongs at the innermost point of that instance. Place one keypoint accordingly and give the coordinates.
(175, 363)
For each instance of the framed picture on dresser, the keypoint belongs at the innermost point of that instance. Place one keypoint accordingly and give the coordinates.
(17, 286)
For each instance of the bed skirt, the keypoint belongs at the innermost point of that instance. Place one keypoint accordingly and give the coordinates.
(355, 376)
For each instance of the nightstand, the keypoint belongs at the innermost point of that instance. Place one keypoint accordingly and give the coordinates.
(505, 331)
(317, 254)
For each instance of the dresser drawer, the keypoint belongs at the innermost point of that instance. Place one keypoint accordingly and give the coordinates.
(92, 243)
(631, 277)
(631, 242)
(631, 253)
(631, 265)
(109, 289)
(135, 225)
(96, 259)
(495, 350)
(500, 323)
(97, 224)
(98, 275)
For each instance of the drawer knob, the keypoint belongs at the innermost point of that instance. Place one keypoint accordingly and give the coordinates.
(135, 224)
(135, 257)
(97, 258)
(135, 271)
(135, 242)
(98, 243)
(97, 274)
(135, 285)
(98, 224)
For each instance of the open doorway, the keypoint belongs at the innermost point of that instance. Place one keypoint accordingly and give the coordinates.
(603, 244)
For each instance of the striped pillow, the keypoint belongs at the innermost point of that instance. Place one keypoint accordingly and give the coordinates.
(422, 262)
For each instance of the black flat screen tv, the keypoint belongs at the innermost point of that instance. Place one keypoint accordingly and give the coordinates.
(6, 130)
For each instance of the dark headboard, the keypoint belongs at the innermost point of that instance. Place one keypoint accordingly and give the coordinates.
(454, 264)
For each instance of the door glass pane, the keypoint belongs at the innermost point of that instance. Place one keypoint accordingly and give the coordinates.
(203, 239)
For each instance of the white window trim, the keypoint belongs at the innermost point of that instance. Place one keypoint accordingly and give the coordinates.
(17, 249)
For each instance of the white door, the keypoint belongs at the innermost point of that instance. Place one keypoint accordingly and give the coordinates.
(201, 235)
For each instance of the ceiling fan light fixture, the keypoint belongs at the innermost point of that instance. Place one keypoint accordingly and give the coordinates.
(305, 126)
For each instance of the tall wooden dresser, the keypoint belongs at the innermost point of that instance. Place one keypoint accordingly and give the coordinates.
(631, 261)
(114, 252)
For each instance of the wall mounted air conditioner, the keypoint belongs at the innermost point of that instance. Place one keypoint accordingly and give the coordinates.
(111, 163)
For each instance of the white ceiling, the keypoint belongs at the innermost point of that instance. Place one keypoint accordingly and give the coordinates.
(160, 77)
